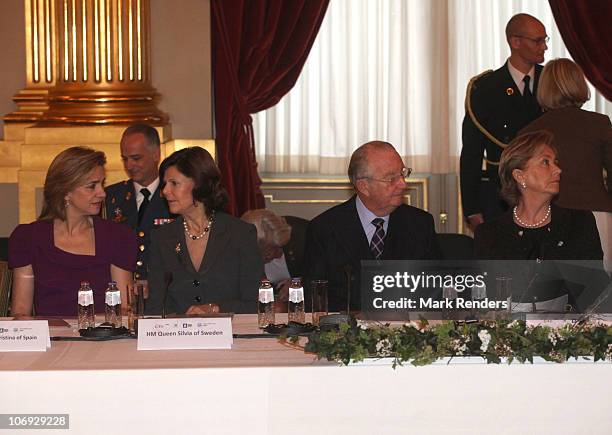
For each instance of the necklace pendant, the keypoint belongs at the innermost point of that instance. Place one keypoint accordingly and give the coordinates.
(194, 238)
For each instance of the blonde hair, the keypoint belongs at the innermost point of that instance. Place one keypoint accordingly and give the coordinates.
(67, 171)
(515, 156)
(271, 228)
(562, 84)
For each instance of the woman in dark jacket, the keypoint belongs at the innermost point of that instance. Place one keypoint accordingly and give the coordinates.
(206, 260)
(534, 229)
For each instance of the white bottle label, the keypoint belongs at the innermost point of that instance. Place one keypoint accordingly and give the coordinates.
(296, 295)
(266, 295)
(86, 297)
(113, 298)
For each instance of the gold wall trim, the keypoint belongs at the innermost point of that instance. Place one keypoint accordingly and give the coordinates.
(308, 197)
(418, 185)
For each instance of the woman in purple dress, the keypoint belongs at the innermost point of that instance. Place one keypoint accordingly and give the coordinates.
(69, 243)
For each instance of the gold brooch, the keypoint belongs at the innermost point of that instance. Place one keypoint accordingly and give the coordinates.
(509, 91)
(177, 248)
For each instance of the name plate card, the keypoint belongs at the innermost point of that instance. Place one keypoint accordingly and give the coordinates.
(24, 336)
(185, 333)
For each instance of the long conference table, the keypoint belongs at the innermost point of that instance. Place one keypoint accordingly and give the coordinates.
(262, 386)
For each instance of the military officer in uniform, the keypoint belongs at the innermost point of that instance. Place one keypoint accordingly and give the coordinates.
(137, 202)
(497, 105)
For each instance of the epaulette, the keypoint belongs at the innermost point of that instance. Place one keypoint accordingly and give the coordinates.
(470, 112)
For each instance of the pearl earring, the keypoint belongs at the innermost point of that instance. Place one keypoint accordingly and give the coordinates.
(524, 185)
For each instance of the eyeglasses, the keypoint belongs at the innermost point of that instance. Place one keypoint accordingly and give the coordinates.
(538, 41)
(392, 179)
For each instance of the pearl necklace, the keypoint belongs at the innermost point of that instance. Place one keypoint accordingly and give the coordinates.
(526, 225)
(202, 234)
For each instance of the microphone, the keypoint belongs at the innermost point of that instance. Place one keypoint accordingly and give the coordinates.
(348, 275)
(167, 282)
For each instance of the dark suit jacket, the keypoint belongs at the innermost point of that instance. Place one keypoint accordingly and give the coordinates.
(499, 106)
(573, 236)
(584, 142)
(294, 249)
(121, 207)
(229, 274)
(336, 241)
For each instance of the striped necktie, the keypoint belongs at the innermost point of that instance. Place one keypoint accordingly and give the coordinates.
(377, 245)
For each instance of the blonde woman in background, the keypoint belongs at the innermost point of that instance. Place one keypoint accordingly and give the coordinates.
(583, 140)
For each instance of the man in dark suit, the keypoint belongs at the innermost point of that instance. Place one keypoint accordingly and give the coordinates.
(137, 202)
(498, 104)
(373, 224)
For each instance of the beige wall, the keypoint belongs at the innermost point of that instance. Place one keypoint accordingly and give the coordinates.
(180, 61)
(12, 71)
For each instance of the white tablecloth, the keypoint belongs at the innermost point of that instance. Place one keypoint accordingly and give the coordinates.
(264, 387)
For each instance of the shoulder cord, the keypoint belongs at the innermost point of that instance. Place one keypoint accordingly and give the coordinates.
(470, 112)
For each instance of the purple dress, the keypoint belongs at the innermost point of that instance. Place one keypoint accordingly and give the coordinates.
(58, 274)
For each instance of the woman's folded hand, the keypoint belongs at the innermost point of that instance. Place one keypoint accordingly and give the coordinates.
(196, 310)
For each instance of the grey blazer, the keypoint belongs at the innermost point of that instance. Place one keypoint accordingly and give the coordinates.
(228, 276)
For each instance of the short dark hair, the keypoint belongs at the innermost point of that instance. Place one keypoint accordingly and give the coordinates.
(516, 155)
(150, 133)
(66, 172)
(197, 164)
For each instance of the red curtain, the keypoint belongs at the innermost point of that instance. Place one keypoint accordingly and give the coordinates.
(258, 50)
(586, 28)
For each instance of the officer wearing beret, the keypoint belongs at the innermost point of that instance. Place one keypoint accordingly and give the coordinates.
(137, 202)
(497, 105)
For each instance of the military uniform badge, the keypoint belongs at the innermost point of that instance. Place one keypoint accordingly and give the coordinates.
(118, 215)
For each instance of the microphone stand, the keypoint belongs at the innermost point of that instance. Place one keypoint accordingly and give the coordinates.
(167, 281)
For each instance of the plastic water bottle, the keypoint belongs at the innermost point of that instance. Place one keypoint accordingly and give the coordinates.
(296, 301)
(112, 305)
(265, 304)
(86, 313)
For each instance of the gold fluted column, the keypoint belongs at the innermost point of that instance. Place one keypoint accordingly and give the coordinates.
(87, 62)
(41, 51)
(103, 69)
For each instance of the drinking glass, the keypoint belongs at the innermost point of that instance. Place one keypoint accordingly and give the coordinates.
(503, 292)
(319, 300)
(449, 294)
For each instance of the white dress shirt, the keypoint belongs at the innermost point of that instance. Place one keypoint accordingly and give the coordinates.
(277, 270)
(151, 188)
(518, 76)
